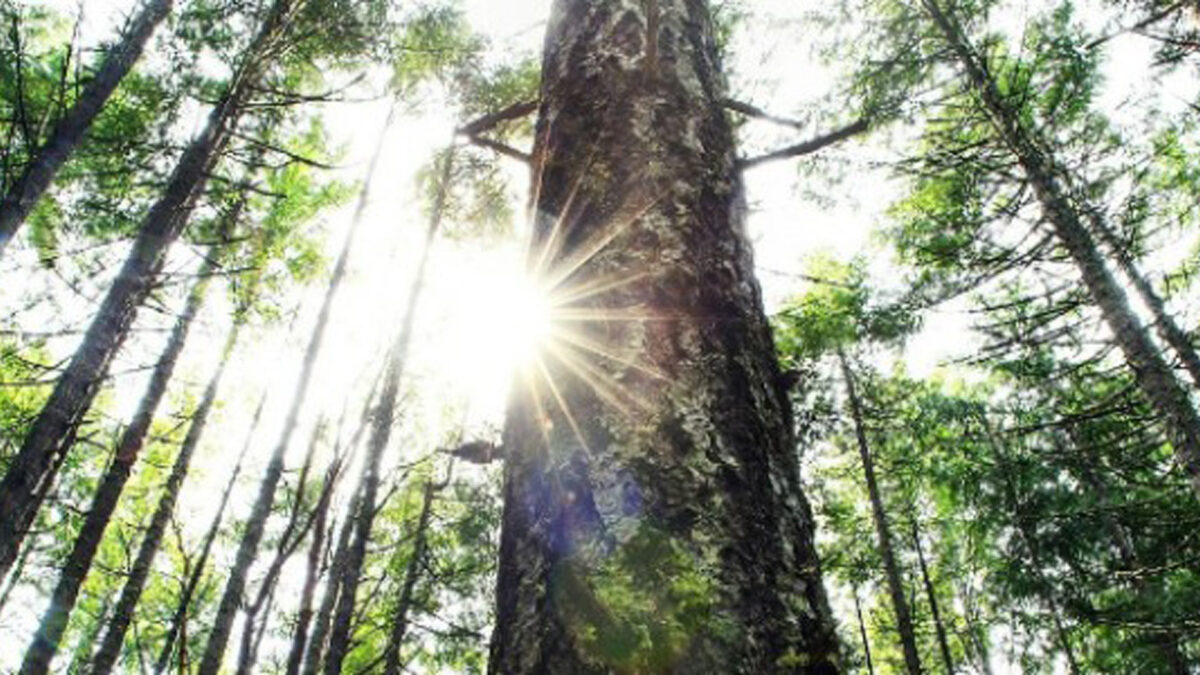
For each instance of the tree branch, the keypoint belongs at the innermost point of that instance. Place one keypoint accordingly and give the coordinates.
(807, 147)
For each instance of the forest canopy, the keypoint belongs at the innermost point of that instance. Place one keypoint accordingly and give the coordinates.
(599, 336)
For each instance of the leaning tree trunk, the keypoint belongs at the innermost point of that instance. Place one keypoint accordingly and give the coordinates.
(114, 636)
(104, 503)
(73, 393)
(653, 516)
(1045, 174)
(175, 629)
(862, 633)
(904, 624)
(381, 432)
(412, 574)
(23, 194)
(235, 586)
(931, 594)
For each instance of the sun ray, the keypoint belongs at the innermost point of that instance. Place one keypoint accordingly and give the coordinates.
(594, 347)
(610, 314)
(589, 250)
(562, 404)
(551, 244)
(594, 378)
(593, 288)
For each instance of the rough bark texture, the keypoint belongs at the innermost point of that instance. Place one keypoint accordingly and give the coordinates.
(653, 519)
(33, 467)
(104, 502)
(1045, 176)
(114, 635)
(23, 194)
(883, 533)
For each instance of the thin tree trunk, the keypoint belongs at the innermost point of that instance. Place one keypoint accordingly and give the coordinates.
(1164, 323)
(1152, 371)
(214, 650)
(931, 594)
(320, 636)
(381, 430)
(75, 389)
(904, 625)
(110, 646)
(1026, 536)
(412, 574)
(104, 503)
(179, 617)
(23, 194)
(650, 452)
(862, 631)
(293, 534)
(311, 577)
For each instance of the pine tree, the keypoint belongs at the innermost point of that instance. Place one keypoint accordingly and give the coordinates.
(653, 513)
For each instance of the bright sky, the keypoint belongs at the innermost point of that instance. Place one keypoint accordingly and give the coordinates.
(467, 341)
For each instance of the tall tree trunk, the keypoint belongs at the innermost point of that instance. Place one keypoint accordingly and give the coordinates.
(75, 389)
(862, 632)
(381, 431)
(311, 576)
(231, 598)
(110, 646)
(315, 651)
(79, 562)
(23, 194)
(652, 459)
(412, 574)
(1046, 176)
(178, 621)
(883, 533)
(931, 595)
(1168, 329)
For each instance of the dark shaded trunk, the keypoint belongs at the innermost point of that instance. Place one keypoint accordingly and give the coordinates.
(381, 431)
(79, 562)
(412, 574)
(176, 627)
(294, 533)
(862, 632)
(1047, 178)
(931, 595)
(23, 194)
(110, 647)
(320, 635)
(75, 389)
(231, 598)
(311, 576)
(883, 533)
(650, 459)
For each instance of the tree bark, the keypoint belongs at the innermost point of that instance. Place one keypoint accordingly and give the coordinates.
(381, 430)
(931, 594)
(412, 574)
(104, 502)
(1045, 175)
(883, 533)
(110, 646)
(179, 617)
(862, 632)
(75, 389)
(23, 194)
(653, 516)
(231, 598)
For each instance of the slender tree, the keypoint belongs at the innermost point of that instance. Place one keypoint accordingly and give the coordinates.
(247, 551)
(883, 532)
(381, 430)
(653, 515)
(24, 192)
(104, 502)
(32, 467)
